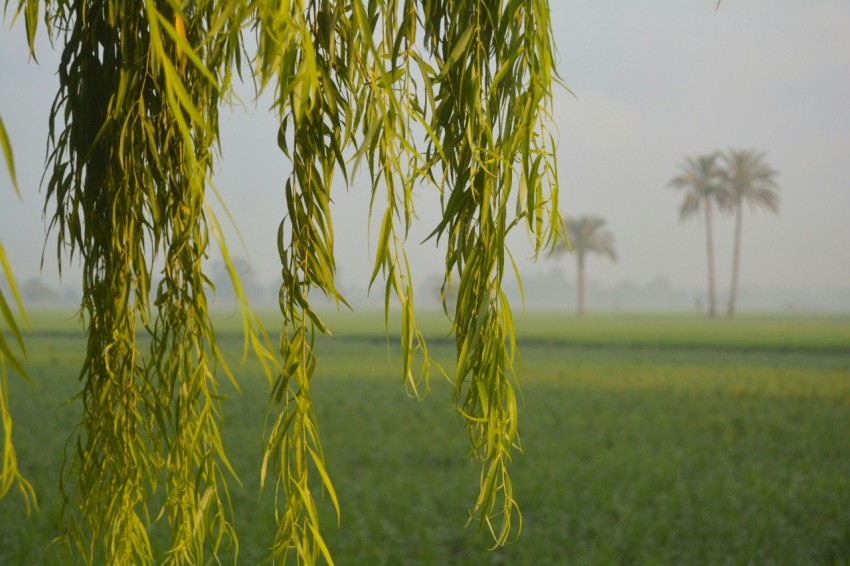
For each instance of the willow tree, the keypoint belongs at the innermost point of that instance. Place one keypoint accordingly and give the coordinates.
(452, 94)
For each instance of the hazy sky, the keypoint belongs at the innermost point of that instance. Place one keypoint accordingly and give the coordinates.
(654, 81)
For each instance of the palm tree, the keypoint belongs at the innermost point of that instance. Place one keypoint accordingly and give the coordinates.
(585, 236)
(747, 178)
(701, 178)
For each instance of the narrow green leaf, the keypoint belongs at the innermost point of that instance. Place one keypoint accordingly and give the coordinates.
(458, 50)
(383, 241)
(6, 145)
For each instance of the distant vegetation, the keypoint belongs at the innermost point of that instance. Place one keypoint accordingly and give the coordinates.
(725, 181)
(699, 179)
(747, 179)
(586, 236)
(715, 182)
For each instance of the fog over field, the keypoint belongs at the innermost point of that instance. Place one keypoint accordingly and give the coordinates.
(653, 82)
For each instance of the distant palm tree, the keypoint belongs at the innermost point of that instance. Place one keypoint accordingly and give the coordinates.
(701, 178)
(747, 178)
(585, 236)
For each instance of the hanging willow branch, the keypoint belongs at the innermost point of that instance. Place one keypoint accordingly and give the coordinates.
(449, 94)
(10, 475)
(494, 80)
(348, 67)
(140, 86)
(310, 105)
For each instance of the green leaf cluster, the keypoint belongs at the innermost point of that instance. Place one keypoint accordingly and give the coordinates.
(450, 94)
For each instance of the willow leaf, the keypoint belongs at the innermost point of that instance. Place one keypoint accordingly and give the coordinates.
(6, 146)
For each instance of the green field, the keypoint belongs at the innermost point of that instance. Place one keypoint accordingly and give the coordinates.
(647, 439)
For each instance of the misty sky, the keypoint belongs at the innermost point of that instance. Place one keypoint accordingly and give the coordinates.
(654, 81)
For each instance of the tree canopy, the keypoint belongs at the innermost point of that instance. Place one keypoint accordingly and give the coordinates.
(447, 93)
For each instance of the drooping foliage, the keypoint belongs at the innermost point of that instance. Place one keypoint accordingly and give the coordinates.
(450, 94)
(10, 353)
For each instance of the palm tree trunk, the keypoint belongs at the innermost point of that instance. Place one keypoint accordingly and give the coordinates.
(736, 259)
(580, 262)
(710, 249)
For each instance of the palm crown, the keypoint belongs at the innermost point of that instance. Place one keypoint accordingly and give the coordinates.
(747, 178)
(585, 235)
(702, 179)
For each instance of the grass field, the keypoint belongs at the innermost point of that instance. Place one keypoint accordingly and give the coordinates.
(647, 439)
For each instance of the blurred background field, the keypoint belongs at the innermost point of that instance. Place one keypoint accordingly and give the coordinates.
(647, 439)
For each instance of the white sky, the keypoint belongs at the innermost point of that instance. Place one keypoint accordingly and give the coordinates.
(655, 81)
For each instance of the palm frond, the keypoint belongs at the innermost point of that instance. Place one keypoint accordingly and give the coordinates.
(701, 179)
(748, 178)
(587, 236)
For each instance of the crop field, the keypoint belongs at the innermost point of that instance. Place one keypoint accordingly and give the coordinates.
(646, 439)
